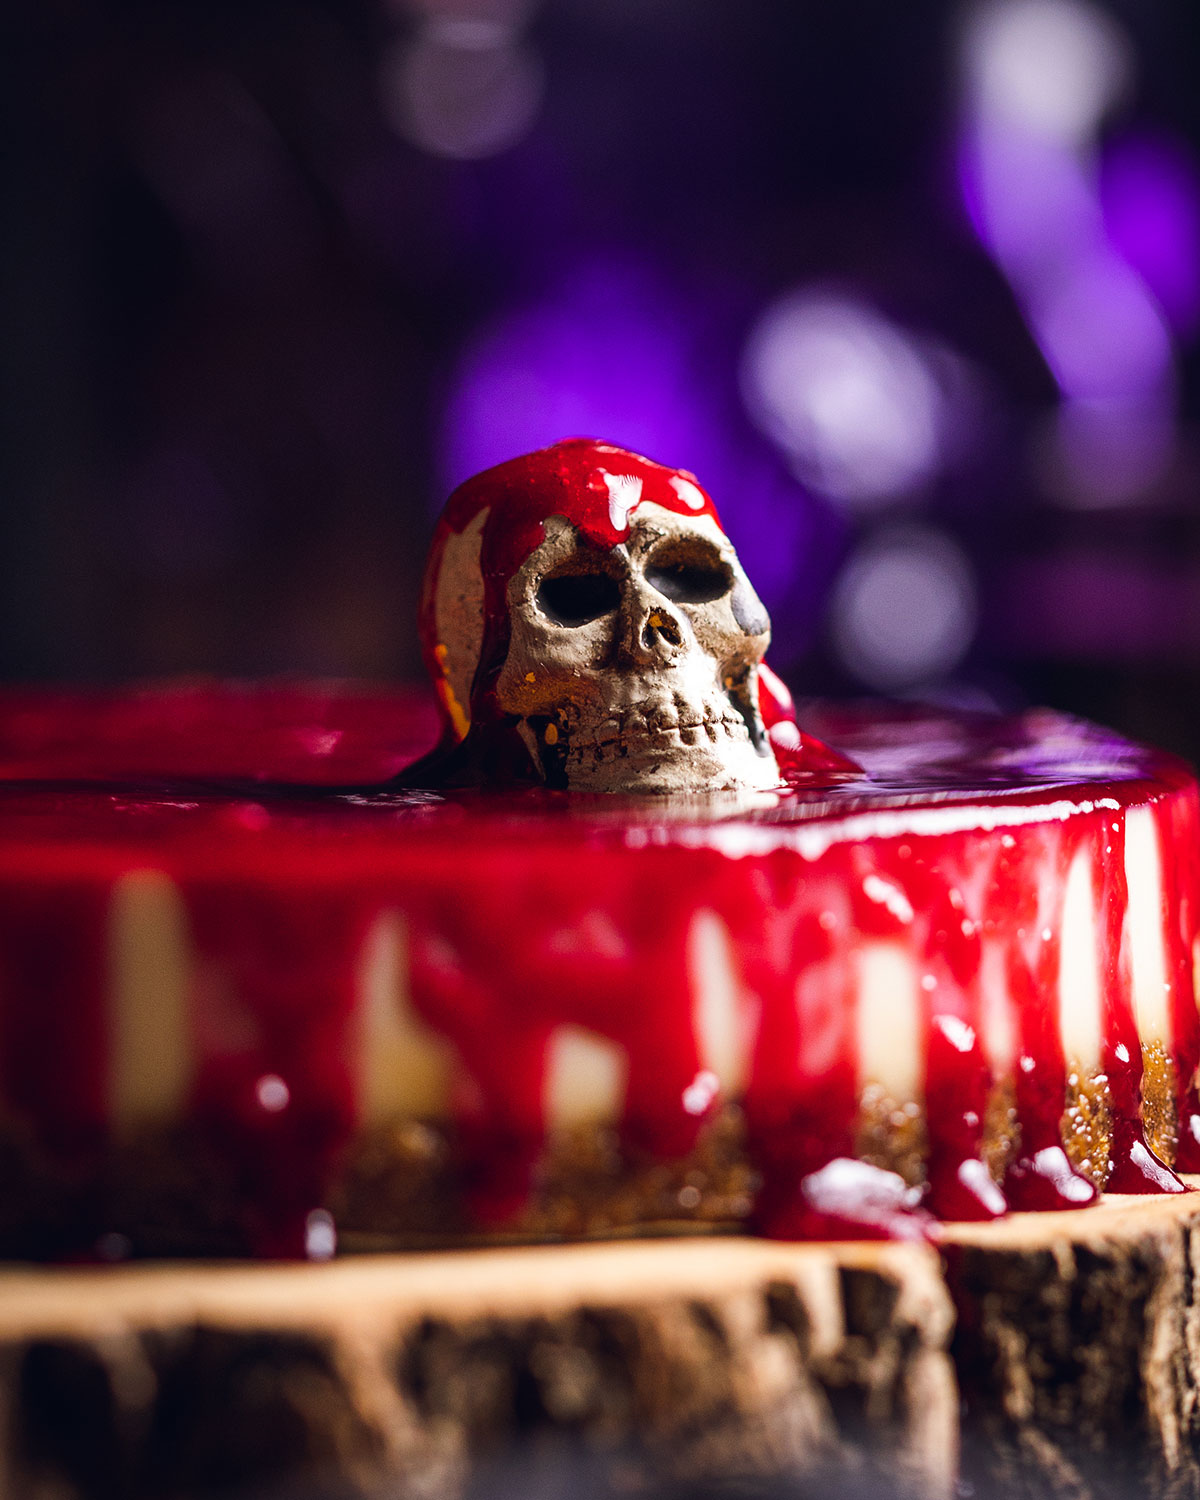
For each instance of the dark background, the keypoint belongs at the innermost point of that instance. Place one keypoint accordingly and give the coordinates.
(914, 288)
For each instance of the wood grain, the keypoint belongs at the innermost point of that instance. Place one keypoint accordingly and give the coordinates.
(1059, 1352)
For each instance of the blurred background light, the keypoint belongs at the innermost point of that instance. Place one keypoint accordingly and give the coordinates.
(1150, 197)
(846, 394)
(1096, 455)
(462, 86)
(904, 609)
(276, 277)
(608, 351)
(1054, 68)
(1041, 78)
(500, 12)
(1029, 201)
(1101, 332)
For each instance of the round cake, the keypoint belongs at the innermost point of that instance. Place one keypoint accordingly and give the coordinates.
(256, 995)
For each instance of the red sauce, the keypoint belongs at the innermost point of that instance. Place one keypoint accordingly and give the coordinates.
(529, 910)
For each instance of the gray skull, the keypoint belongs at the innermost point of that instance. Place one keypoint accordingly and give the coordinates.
(636, 669)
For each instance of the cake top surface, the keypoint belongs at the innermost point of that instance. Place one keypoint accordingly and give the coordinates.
(226, 766)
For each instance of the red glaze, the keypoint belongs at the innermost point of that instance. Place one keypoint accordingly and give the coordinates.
(530, 910)
(1181, 887)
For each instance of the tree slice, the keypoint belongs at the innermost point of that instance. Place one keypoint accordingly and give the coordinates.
(1071, 1368)
(1077, 1349)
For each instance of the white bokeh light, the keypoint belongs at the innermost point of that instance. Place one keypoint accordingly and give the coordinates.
(463, 87)
(846, 394)
(272, 1093)
(1052, 67)
(320, 1235)
(905, 608)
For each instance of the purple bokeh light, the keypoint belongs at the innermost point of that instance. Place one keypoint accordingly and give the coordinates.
(1036, 208)
(1150, 196)
(905, 609)
(463, 87)
(1100, 331)
(1028, 201)
(1086, 269)
(609, 353)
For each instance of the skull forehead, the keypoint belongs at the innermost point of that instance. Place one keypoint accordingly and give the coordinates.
(648, 525)
(650, 521)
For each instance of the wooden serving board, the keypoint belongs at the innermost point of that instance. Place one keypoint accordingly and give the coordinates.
(1043, 1355)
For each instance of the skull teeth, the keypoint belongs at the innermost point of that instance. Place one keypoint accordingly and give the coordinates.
(635, 732)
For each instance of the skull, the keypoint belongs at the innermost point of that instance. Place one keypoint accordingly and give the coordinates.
(635, 669)
(585, 603)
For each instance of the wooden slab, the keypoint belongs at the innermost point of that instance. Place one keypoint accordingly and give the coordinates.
(1077, 1350)
(1062, 1351)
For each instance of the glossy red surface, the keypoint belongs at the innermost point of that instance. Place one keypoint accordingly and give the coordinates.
(528, 910)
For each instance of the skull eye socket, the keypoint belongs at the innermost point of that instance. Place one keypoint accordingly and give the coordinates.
(693, 574)
(577, 598)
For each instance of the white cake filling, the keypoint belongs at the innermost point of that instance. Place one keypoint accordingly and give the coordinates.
(1079, 969)
(150, 1035)
(1143, 874)
(403, 1068)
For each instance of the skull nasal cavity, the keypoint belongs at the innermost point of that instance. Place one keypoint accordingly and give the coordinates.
(576, 598)
(661, 627)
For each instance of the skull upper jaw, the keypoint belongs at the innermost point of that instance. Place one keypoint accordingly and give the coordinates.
(715, 754)
(618, 686)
